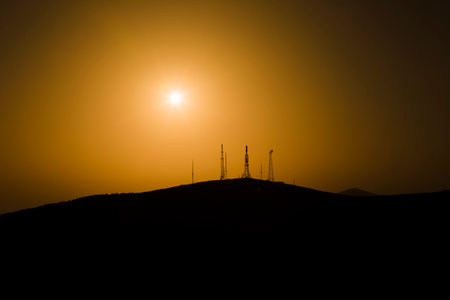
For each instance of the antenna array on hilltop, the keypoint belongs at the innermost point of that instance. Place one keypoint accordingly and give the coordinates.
(246, 174)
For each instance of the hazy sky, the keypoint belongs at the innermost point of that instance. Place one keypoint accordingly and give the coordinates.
(346, 93)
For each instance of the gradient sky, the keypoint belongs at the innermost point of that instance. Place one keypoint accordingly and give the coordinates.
(346, 93)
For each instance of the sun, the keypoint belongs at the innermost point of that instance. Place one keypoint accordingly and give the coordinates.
(175, 98)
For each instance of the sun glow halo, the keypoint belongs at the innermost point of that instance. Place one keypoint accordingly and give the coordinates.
(175, 98)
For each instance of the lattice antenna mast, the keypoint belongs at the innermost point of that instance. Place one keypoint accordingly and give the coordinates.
(246, 169)
(222, 168)
(270, 166)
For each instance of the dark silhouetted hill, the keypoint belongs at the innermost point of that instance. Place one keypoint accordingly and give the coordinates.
(231, 207)
(356, 192)
(235, 212)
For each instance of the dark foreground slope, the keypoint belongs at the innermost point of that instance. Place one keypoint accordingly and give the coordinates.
(234, 231)
(235, 210)
(223, 235)
(208, 209)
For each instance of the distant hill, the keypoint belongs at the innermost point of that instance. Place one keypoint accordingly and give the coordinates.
(356, 192)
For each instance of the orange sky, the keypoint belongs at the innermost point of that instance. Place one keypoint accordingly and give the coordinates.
(347, 95)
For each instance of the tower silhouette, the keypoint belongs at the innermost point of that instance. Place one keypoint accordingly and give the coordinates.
(222, 168)
(246, 173)
(270, 166)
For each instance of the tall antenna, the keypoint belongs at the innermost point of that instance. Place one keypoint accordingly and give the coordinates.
(192, 171)
(246, 173)
(270, 166)
(261, 172)
(226, 171)
(222, 168)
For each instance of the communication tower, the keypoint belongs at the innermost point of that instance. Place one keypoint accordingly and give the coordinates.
(246, 173)
(270, 166)
(222, 168)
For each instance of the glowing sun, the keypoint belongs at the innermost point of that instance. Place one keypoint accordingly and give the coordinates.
(175, 98)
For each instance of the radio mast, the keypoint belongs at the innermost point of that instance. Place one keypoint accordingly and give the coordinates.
(270, 166)
(226, 171)
(222, 168)
(246, 173)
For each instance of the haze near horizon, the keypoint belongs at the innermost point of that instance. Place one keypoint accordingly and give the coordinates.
(121, 97)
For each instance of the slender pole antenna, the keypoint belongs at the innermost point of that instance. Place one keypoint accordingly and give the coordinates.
(222, 167)
(270, 166)
(261, 172)
(226, 168)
